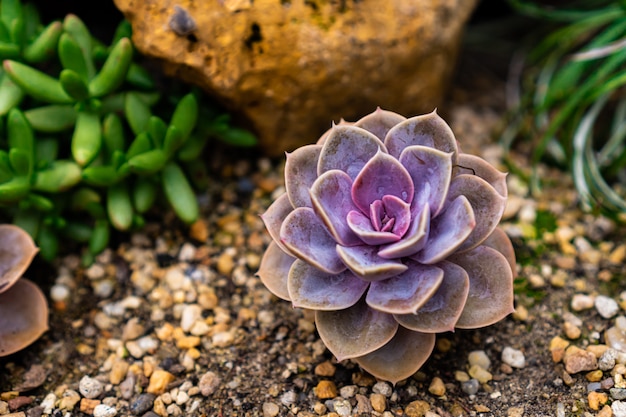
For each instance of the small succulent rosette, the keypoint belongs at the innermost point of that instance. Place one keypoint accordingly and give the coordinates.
(23, 307)
(389, 233)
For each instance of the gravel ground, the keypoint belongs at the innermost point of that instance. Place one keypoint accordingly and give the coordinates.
(173, 321)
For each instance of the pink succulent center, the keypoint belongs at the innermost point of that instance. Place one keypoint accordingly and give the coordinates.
(390, 214)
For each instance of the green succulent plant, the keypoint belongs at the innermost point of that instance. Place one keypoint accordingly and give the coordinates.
(89, 142)
(571, 103)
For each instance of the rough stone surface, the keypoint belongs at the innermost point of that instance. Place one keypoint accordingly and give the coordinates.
(291, 67)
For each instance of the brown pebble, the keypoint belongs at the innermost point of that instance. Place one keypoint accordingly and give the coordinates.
(597, 399)
(325, 369)
(597, 350)
(437, 387)
(605, 412)
(225, 264)
(571, 331)
(482, 409)
(325, 390)
(579, 360)
(567, 379)
(363, 380)
(19, 402)
(118, 371)
(199, 230)
(209, 382)
(557, 348)
(417, 409)
(159, 381)
(379, 402)
(87, 405)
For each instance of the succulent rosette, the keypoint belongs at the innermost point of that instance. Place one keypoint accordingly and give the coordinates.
(390, 234)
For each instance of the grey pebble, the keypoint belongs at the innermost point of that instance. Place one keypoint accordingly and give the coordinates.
(150, 414)
(618, 393)
(470, 387)
(606, 306)
(607, 360)
(289, 398)
(142, 404)
(209, 383)
(594, 386)
(382, 388)
(343, 407)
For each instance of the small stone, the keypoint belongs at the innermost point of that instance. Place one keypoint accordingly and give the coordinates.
(417, 409)
(520, 313)
(607, 383)
(142, 404)
(289, 398)
(326, 369)
(480, 374)
(597, 399)
(225, 263)
(618, 255)
(461, 376)
(513, 357)
(582, 302)
(209, 382)
(90, 388)
(319, 408)
(87, 405)
(348, 391)
(342, 407)
(437, 387)
(68, 400)
(515, 412)
(572, 331)
(95, 272)
(605, 412)
(470, 387)
(482, 408)
(480, 358)
(618, 393)
(594, 376)
(270, 409)
(363, 405)
(607, 360)
(557, 348)
(578, 360)
(191, 313)
(103, 410)
(325, 390)
(598, 350)
(606, 306)
(382, 388)
(48, 403)
(188, 342)
(379, 402)
(159, 381)
(118, 371)
(619, 408)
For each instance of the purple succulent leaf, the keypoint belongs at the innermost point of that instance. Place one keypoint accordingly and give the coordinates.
(300, 173)
(17, 250)
(401, 357)
(23, 316)
(413, 241)
(304, 235)
(443, 309)
(355, 331)
(382, 175)
(362, 226)
(499, 241)
(399, 211)
(431, 171)
(380, 122)
(331, 200)
(348, 148)
(427, 130)
(322, 139)
(407, 292)
(487, 204)
(316, 290)
(367, 265)
(490, 296)
(274, 270)
(447, 231)
(274, 217)
(471, 164)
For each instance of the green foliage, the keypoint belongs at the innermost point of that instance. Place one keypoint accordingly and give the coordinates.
(85, 142)
(572, 104)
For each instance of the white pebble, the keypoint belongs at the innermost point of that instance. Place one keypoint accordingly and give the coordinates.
(103, 410)
(582, 302)
(90, 388)
(270, 409)
(513, 357)
(618, 408)
(48, 403)
(59, 292)
(382, 388)
(606, 306)
(191, 313)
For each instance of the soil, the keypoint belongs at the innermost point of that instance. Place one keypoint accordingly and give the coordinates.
(261, 357)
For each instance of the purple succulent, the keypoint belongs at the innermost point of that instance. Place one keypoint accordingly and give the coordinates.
(390, 234)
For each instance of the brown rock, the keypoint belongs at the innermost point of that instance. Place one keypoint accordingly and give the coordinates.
(417, 408)
(87, 405)
(158, 381)
(325, 390)
(325, 368)
(291, 67)
(578, 360)
(597, 399)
